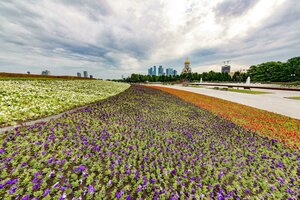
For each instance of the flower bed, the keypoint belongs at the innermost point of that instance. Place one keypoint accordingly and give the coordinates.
(144, 143)
(272, 125)
(22, 100)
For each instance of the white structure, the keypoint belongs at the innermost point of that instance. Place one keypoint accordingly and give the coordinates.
(187, 69)
(248, 81)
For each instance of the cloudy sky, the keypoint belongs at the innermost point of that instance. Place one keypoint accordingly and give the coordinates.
(119, 37)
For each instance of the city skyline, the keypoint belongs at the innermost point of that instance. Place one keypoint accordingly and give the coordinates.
(160, 71)
(69, 36)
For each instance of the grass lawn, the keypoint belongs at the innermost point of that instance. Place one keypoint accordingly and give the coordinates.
(296, 98)
(248, 91)
(241, 90)
(196, 86)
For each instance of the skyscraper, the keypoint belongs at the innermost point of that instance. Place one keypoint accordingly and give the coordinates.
(78, 74)
(175, 72)
(168, 71)
(160, 70)
(150, 71)
(85, 74)
(154, 71)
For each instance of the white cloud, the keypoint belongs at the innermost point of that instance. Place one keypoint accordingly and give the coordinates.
(111, 38)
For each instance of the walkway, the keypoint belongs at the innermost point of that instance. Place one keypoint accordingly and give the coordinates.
(274, 102)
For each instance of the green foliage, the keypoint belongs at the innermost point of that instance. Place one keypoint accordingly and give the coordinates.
(276, 71)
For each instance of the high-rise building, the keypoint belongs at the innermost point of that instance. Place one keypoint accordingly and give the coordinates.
(160, 70)
(154, 71)
(175, 72)
(169, 72)
(85, 74)
(46, 72)
(91, 76)
(225, 69)
(78, 74)
(150, 71)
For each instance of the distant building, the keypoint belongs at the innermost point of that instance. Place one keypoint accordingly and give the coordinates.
(85, 74)
(160, 70)
(91, 76)
(225, 69)
(174, 72)
(78, 74)
(187, 69)
(169, 72)
(154, 71)
(150, 71)
(46, 72)
(28, 72)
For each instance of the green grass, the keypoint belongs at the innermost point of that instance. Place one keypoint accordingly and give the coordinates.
(242, 90)
(248, 91)
(295, 98)
(195, 86)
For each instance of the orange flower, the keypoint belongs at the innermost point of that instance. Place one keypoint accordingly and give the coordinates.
(272, 125)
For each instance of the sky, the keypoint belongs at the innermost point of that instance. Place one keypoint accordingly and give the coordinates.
(114, 38)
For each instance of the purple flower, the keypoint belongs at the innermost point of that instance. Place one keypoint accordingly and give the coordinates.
(80, 168)
(139, 188)
(91, 189)
(50, 160)
(47, 191)
(51, 174)
(272, 187)
(35, 180)
(264, 156)
(220, 175)
(173, 171)
(290, 191)
(35, 187)
(13, 189)
(26, 197)
(56, 184)
(220, 196)
(128, 197)
(2, 186)
(119, 194)
(152, 180)
(2, 151)
(11, 182)
(23, 164)
(63, 196)
(63, 188)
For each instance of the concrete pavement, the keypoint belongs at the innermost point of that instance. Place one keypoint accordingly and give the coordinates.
(274, 102)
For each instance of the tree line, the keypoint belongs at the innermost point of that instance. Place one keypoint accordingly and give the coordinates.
(276, 71)
(265, 72)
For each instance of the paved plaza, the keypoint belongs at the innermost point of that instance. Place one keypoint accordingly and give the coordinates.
(274, 102)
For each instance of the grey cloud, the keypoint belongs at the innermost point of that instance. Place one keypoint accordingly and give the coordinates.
(91, 7)
(29, 38)
(233, 8)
